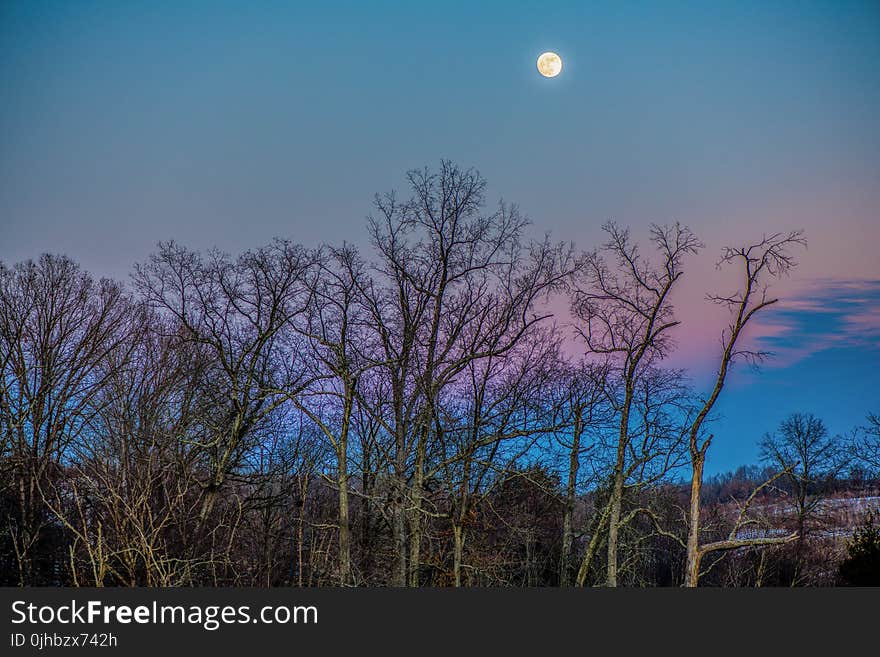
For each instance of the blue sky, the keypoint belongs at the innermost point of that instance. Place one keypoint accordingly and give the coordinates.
(825, 346)
(225, 124)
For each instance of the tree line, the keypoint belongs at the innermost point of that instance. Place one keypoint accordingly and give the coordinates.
(416, 415)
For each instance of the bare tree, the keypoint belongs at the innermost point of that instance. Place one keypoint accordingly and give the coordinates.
(58, 327)
(239, 312)
(444, 266)
(655, 449)
(279, 489)
(491, 419)
(336, 336)
(626, 314)
(767, 259)
(811, 459)
(581, 409)
(131, 470)
(294, 417)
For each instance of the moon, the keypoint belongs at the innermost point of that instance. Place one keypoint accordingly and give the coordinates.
(549, 64)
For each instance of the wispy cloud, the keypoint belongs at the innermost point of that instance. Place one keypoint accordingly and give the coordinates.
(824, 314)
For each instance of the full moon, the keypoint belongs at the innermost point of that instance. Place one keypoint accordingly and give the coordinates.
(549, 64)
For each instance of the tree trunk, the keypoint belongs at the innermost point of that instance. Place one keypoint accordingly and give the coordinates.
(692, 571)
(344, 529)
(342, 483)
(458, 551)
(616, 500)
(398, 530)
(300, 534)
(592, 549)
(415, 527)
(568, 516)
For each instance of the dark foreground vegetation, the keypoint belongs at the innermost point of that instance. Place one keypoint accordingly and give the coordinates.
(412, 416)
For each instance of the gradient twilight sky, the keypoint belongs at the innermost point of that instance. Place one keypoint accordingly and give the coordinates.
(226, 124)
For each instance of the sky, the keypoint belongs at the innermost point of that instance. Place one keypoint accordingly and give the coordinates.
(227, 124)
